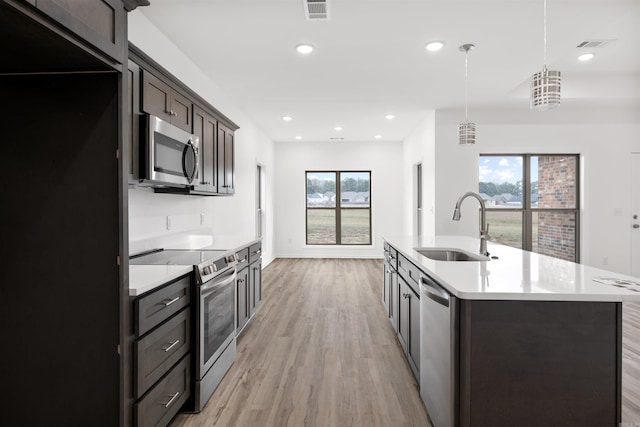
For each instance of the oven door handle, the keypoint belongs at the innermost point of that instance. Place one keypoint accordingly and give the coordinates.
(211, 285)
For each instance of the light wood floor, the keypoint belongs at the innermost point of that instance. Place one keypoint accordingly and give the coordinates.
(319, 352)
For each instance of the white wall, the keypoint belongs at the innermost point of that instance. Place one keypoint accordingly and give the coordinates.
(293, 159)
(604, 139)
(420, 147)
(224, 215)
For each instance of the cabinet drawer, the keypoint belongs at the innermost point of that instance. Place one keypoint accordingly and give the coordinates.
(163, 401)
(255, 251)
(155, 353)
(157, 306)
(409, 272)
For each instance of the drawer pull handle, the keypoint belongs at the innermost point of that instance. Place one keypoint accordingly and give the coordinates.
(168, 303)
(174, 397)
(257, 252)
(173, 344)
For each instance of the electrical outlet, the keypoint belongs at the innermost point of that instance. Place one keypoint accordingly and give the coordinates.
(202, 219)
(605, 261)
(168, 222)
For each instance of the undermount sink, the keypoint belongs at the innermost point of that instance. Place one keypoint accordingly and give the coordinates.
(450, 254)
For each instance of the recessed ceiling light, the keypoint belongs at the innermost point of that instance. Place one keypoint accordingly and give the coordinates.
(378, 136)
(434, 46)
(586, 56)
(287, 118)
(304, 49)
(298, 137)
(338, 128)
(390, 116)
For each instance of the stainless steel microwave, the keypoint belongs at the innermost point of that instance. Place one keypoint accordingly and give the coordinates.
(170, 156)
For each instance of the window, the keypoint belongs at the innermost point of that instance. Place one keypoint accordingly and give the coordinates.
(532, 202)
(338, 207)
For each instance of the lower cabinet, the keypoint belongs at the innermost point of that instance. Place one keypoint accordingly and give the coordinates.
(161, 352)
(161, 404)
(242, 300)
(255, 286)
(401, 301)
(409, 325)
(386, 287)
(248, 284)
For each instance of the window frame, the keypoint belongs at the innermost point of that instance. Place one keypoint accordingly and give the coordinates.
(337, 208)
(526, 210)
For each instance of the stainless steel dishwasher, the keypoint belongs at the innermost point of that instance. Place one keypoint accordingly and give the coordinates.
(438, 352)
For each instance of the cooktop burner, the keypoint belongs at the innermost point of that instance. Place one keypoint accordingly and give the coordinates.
(176, 257)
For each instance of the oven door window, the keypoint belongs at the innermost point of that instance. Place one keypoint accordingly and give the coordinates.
(217, 309)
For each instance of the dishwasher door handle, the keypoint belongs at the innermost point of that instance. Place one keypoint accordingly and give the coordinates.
(434, 292)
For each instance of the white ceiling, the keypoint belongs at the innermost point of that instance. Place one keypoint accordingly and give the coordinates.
(370, 60)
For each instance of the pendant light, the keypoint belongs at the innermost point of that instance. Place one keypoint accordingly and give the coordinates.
(545, 85)
(466, 130)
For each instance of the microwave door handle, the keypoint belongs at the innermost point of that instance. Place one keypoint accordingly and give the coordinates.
(190, 175)
(196, 152)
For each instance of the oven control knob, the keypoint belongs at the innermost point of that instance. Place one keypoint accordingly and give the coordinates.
(209, 269)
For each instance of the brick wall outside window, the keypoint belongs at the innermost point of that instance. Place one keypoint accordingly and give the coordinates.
(557, 189)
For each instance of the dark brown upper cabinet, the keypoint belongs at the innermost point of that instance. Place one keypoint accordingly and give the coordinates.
(225, 160)
(204, 126)
(102, 23)
(159, 99)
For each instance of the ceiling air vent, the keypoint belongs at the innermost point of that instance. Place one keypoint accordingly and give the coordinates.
(316, 9)
(591, 44)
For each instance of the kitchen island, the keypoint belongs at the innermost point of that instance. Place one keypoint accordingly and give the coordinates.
(519, 339)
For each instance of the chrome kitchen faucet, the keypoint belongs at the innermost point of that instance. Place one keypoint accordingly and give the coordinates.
(484, 227)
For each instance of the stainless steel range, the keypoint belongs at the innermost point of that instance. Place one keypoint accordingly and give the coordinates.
(214, 314)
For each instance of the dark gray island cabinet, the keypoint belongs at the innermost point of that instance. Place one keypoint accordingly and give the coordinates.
(529, 340)
(539, 363)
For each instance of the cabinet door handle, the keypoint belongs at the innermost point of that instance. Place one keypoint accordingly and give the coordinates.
(171, 345)
(168, 303)
(406, 295)
(174, 397)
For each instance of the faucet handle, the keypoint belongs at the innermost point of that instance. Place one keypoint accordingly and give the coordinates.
(485, 234)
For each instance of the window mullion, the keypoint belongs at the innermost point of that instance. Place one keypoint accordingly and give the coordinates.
(527, 220)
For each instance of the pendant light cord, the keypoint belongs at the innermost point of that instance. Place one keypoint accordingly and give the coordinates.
(466, 85)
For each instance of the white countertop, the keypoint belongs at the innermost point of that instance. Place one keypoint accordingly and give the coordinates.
(515, 275)
(144, 278)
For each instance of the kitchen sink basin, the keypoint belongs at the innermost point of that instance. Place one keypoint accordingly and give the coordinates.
(450, 254)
